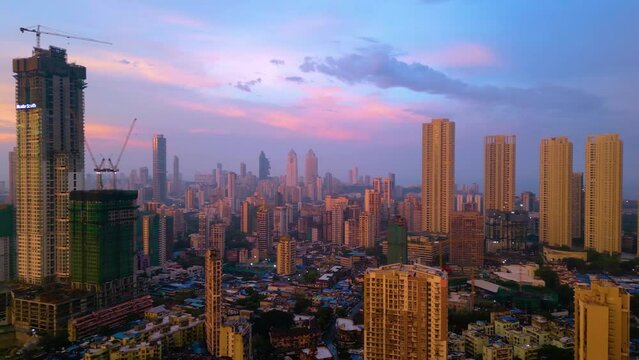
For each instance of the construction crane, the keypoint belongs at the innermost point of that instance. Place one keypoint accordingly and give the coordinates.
(37, 30)
(109, 167)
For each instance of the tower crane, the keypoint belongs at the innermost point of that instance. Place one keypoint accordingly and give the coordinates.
(110, 167)
(37, 30)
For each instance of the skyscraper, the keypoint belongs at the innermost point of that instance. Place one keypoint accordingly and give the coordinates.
(372, 205)
(264, 166)
(397, 241)
(218, 238)
(466, 239)
(285, 256)
(7, 242)
(354, 175)
(264, 231)
(603, 177)
(602, 321)
(438, 174)
(291, 169)
(177, 186)
(159, 168)
(310, 174)
(555, 176)
(144, 176)
(213, 300)
(247, 218)
(102, 232)
(405, 312)
(242, 169)
(49, 160)
(577, 205)
(499, 172)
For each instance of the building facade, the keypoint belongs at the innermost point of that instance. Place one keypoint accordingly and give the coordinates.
(603, 178)
(49, 160)
(438, 174)
(213, 300)
(159, 168)
(555, 195)
(499, 172)
(285, 256)
(405, 312)
(467, 239)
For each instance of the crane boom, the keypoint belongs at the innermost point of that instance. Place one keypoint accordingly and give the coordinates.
(126, 141)
(39, 32)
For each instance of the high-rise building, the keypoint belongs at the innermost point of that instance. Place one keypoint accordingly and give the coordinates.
(144, 176)
(405, 312)
(555, 177)
(218, 238)
(528, 201)
(285, 256)
(263, 229)
(366, 230)
(577, 205)
(149, 233)
(438, 174)
(351, 232)
(213, 300)
(102, 251)
(189, 198)
(411, 210)
(242, 169)
(372, 205)
(603, 178)
(291, 169)
(466, 239)
(397, 237)
(499, 172)
(354, 175)
(177, 183)
(12, 176)
(505, 230)
(247, 218)
(310, 174)
(264, 166)
(159, 168)
(49, 160)
(335, 207)
(602, 321)
(231, 190)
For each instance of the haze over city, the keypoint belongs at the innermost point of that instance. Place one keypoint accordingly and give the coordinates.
(223, 81)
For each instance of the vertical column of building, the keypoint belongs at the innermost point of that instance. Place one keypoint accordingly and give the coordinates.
(499, 172)
(603, 177)
(555, 178)
(577, 205)
(264, 233)
(438, 174)
(177, 183)
(285, 256)
(213, 300)
(159, 168)
(372, 206)
(218, 238)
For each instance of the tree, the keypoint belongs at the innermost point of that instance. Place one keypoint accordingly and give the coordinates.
(311, 275)
(548, 276)
(272, 319)
(549, 352)
(301, 304)
(566, 295)
(324, 316)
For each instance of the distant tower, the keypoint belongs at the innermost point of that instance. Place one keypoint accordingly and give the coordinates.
(466, 239)
(354, 175)
(555, 177)
(231, 180)
(218, 238)
(159, 168)
(144, 176)
(310, 175)
(603, 178)
(291, 169)
(438, 174)
(247, 218)
(213, 300)
(577, 205)
(264, 231)
(285, 256)
(177, 186)
(49, 160)
(242, 169)
(265, 166)
(405, 312)
(499, 172)
(372, 206)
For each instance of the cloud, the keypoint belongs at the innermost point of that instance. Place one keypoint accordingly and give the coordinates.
(185, 74)
(295, 79)
(368, 39)
(277, 62)
(7, 137)
(247, 85)
(379, 65)
(456, 55)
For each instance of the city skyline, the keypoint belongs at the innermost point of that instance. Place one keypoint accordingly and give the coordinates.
(218, 90)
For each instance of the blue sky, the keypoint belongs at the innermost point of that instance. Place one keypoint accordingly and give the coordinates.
(352, 80)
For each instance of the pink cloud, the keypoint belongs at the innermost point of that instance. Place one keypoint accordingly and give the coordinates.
(457, 55)
(112, 135)
(7, 137)
(325, 112)
(185, 75)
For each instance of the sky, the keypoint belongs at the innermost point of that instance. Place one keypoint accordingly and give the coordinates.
(353, 80)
